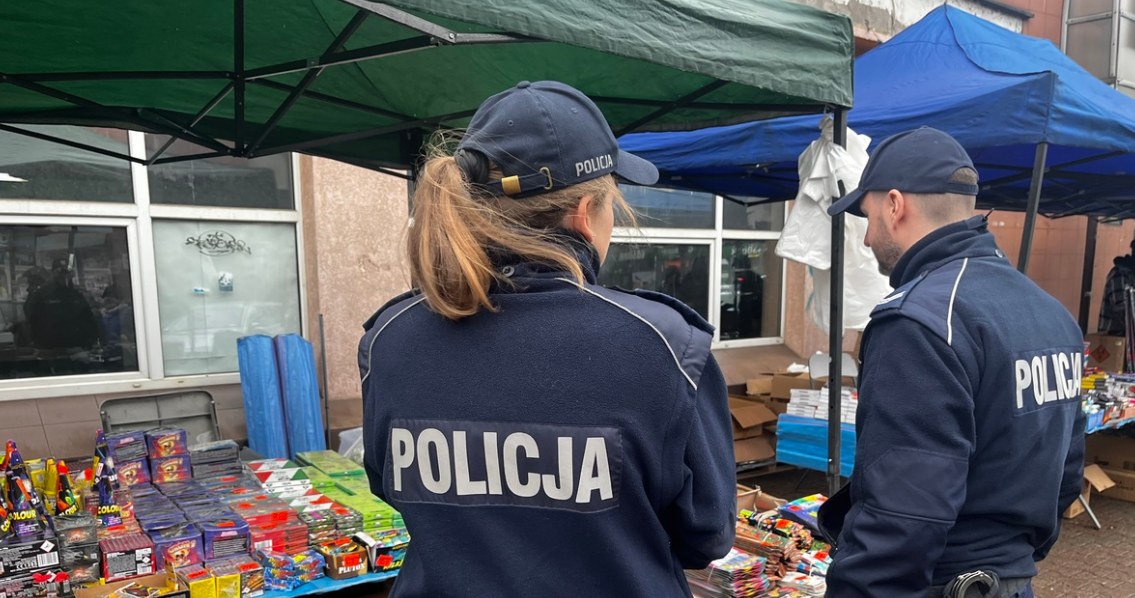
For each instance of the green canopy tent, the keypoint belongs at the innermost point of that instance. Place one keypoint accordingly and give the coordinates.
(363, 81)
(360, 81)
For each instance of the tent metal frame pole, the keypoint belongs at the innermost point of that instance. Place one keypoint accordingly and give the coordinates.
(239, 82)
(187, 158)
(672, 106)
(835, 328)
(1091, 234)
(197, 118)
(1005, 180)
(69, 143)
(1033, 207)
(308, 78)
(357, 135)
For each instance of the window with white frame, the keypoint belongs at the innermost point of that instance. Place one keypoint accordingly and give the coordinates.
(120, 277)
(716, 254)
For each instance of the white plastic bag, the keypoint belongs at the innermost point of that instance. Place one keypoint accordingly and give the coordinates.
(807, 232)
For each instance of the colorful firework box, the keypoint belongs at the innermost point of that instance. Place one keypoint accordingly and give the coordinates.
(287, 571)
(167, 442)
(229, 485)
(385, 551)
(127, 446)
(345, 559)
(198, 579)
(321, 526)
(133, 472)
(80, 528)
(289, 537)
(177, 545)
(170, 469)
(271, 465)
(225, 537)
(251, 575)
(127, 556)
(221, 451)
(319, 480)
(38, 584)
(331, 463)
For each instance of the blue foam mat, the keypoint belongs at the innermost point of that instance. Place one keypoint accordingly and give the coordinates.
(299, 389)
(260, 387)
(803, 442)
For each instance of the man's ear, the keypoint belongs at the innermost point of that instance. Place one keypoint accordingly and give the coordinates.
(579, 218)
(896, 206)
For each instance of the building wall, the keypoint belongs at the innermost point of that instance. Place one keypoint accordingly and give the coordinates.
(876, 21)
(354, 225)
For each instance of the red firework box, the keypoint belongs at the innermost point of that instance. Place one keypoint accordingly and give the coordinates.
(127, 556)
(168, 442)
(134, 472)
(170, 469)
(271, 464)
(177, 545)
(289, 537)
(262, 510)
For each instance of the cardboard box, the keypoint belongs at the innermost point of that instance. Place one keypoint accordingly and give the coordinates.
(21, 557)
(174, 589)
(1124, 488)
(758, 386)
(199, 581)
(1110, 452)
(1105, 352)
(753, 499)
(749, 418)
(1094, 477)
(758, 448)
(783, 383)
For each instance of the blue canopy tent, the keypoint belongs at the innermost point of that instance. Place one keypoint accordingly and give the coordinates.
(1027, 114)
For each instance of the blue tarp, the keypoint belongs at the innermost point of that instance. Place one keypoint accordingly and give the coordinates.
(998, 92)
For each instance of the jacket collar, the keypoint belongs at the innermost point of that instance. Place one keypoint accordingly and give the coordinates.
(966, 238)
(515, 267)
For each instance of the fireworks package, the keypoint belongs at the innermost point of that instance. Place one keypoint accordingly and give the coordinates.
(224, 538)
(385, 552)
(167, 442)
(133, 472)
(247, 573)
(40, 584)
(177, 546)
(127, 446)
(198, 580)
(127, 556)
(19, 557)
(345, 558)
(287, 572)
(80, 528)
(331, 463)
(175, 468)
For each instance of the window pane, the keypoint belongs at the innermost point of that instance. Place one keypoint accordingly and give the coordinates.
(1126, 63)
(750, 289)
(670, 208)
(65, 301)
(1089, 44)
(219, 281)
(737, 215)
(681, 271)
(232, 182)
(40, 169)
(1083, 8)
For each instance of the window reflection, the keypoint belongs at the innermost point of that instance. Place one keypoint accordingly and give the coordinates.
(750, 289)
(65, 301)
(681, 271)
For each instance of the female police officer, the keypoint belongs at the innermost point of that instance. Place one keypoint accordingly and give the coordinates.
(540, 434)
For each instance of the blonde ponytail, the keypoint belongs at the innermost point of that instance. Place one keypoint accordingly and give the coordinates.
(454, 231)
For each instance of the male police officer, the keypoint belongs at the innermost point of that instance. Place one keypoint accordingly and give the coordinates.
(970, 432)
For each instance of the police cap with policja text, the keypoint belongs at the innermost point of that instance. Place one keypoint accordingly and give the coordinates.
(922, 160)
(545, 136)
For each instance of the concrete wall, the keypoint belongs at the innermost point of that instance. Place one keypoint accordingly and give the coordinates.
(354, 225)
(879, 20)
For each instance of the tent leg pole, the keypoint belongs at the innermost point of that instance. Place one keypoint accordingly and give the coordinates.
(1089, 271)
(835, 327)
(1034, 206)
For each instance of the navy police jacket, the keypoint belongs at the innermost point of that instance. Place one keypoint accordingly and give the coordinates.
(970, 430)
(577, 442)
